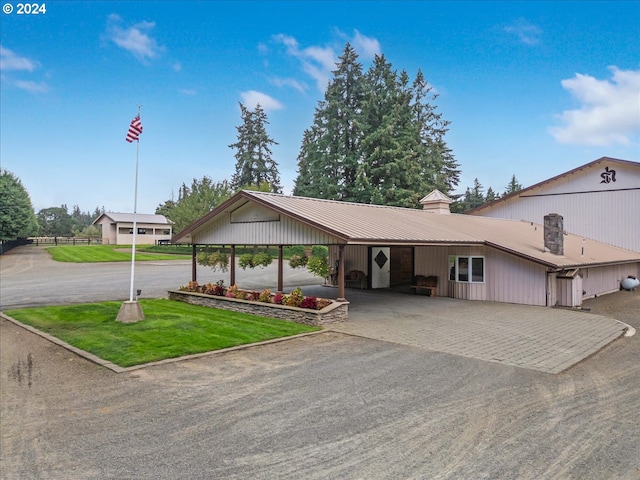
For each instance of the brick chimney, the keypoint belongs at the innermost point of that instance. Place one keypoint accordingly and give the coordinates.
(554, 233)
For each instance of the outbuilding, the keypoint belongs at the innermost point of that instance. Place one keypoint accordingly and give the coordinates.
(470, 257)
(117, 228)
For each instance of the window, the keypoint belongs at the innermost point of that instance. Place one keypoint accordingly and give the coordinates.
(142, 231)
(466, 269)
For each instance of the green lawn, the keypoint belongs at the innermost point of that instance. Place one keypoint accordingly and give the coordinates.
(170, 329)
(105, 253)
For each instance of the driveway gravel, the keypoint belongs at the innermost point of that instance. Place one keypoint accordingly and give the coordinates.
(327, 406)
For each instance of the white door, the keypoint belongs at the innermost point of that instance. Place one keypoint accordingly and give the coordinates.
(380, 267)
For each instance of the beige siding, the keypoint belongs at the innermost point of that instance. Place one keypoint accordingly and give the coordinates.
(282, 232)
(511, 279)
(433, 261)
(355, 257)
(601, 280)
(609, 217)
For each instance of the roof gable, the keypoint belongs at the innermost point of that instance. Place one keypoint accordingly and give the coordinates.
(353, 223)
(604, 174)
(128, 218)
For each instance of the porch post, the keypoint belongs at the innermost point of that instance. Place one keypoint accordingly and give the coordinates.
(193, 263)
(280, 274)
(232, 267)
(341, 297)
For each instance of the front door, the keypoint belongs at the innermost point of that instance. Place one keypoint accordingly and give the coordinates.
(380, 260)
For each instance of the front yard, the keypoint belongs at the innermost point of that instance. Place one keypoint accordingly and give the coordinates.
(170, 329)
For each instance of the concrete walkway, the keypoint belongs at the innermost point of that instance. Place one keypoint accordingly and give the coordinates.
(537, 338)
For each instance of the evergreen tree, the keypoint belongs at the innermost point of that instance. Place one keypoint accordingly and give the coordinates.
(513, 186)
(254, 164)
(330, 152)
(17, 218)
(491, 196)
(375, 138)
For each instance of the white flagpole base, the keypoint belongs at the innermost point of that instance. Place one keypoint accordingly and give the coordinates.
(130, 312)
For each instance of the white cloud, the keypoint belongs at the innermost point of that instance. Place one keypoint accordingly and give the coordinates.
(253, 98)
(610, 112)
(527, 33)
(366, 47)
(319, 62)
(10, 61)
(136, 39)
(32, 87)
(289, 82)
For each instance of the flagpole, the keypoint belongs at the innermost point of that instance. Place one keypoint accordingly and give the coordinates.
(135, 227)
(131, 311)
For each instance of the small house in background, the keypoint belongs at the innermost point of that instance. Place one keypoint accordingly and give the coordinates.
(117, 228)
(599, 200)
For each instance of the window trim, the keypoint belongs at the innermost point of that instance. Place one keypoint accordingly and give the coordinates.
(454, 268)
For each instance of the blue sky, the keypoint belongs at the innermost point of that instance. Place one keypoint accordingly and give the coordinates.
(530, 88)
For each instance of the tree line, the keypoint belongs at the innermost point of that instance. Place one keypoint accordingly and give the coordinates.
(376, 137)
(19, 220)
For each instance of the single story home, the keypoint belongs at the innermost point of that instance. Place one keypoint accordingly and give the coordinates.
(117, 228)
(599, 200)
(473, 258)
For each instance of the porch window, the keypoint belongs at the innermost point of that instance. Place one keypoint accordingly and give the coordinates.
(466, 269)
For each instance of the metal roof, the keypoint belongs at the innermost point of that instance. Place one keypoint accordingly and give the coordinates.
(355, 223)
(140, 218)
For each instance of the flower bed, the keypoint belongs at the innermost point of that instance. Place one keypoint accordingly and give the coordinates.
(293, 306)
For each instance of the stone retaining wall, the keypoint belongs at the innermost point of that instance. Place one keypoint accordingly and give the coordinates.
(335, 312)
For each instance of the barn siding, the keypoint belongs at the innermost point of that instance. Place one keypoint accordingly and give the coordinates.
(589, 214)
(282, 232)
(601, 280)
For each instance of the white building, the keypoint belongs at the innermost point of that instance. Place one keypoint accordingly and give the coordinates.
(599, 200)
(117, 228)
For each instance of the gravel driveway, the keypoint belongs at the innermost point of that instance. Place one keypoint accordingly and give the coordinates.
(327, 406)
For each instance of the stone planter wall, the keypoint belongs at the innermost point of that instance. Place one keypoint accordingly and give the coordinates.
(335, 312)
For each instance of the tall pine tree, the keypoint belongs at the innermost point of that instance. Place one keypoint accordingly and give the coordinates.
(254, 164)
(330, 152)
(375, 138)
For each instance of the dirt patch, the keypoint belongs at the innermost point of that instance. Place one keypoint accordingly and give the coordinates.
(623, 305)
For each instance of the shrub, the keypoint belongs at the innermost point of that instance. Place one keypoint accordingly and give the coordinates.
(219, 288)
(240, 295)
(278, 298)
(232, 291)
(265, 296)
(309, 302)
(189, 287)
(209, 289)
(295, 298)
(319, 266)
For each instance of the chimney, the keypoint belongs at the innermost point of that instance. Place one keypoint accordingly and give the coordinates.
(436, 202)
(553, 233)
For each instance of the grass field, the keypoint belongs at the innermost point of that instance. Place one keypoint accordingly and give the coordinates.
(170, 329)
(106, 253)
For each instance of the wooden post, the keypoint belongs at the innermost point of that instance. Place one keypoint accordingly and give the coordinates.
(280, 270)
(194, 264)
(232, 267)
(341, 297)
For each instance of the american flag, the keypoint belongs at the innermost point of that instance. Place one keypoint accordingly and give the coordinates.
(135, 129)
